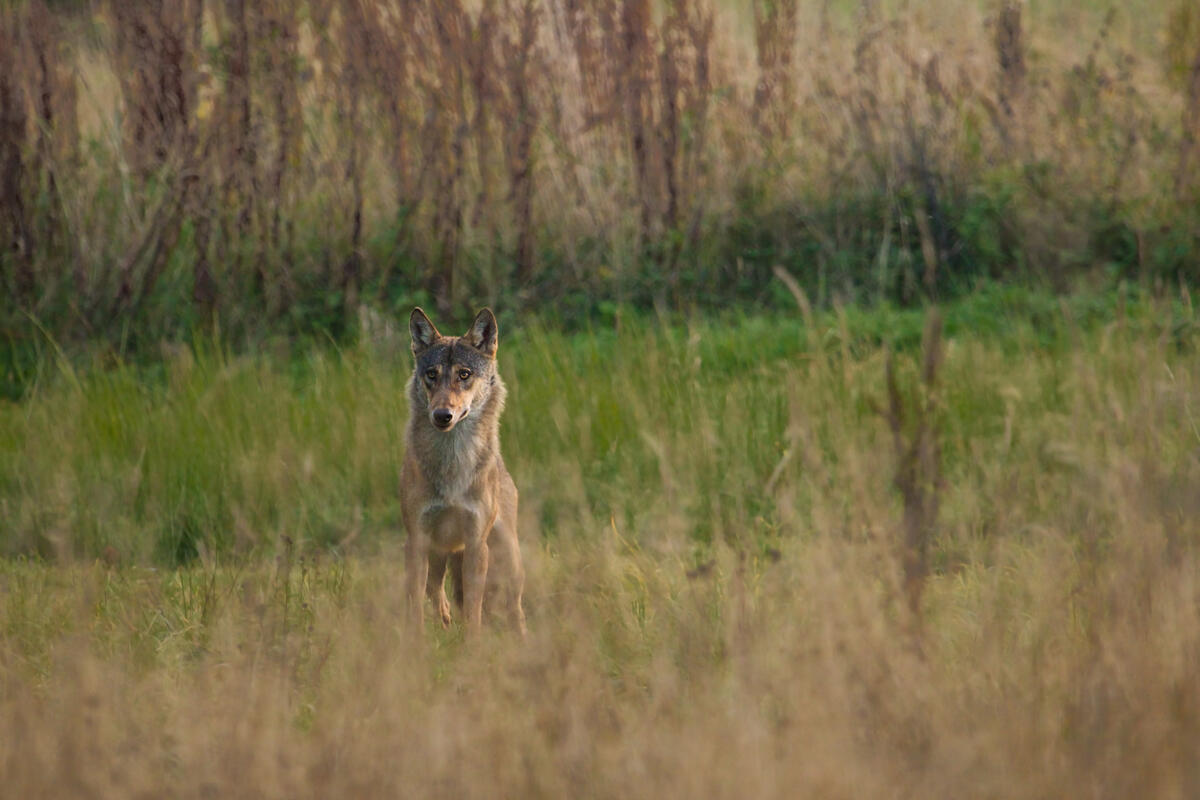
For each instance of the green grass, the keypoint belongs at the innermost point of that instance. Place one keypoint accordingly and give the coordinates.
(207, 453)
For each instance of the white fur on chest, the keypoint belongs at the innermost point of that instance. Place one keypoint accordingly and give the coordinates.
(452, 514)
(452, 461)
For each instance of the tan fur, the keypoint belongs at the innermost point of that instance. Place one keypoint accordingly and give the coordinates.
(458, 500)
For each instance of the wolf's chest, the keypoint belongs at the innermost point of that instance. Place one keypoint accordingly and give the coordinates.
(451, 524)
(455, 466)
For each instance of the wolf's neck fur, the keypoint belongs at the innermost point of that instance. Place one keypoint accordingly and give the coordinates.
(451, 460)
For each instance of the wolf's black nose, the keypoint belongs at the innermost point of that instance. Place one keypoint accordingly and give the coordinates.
(442, 417)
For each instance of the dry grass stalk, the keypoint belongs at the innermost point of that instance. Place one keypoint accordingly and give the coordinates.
(521, 63)
(1185, 178)
(634, 54)
(698, 25)
(156, 61)
(57, 140)
(774, 40)
(152, 52)
(1010, 57)
(393, 52)
(445, 139)
(357, 48)
(684, 72)
(914, 428)
(281, 28)
(483, 67)
(16, 230)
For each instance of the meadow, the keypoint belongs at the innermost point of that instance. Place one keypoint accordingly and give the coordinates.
(852, 368)
(727, 596)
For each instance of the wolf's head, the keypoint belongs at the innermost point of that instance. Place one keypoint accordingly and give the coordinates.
(454, 374)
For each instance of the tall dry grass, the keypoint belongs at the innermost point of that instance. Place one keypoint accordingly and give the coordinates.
(272, 166)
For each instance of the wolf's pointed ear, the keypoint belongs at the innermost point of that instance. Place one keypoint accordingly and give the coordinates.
(422, 330)
(483, 335)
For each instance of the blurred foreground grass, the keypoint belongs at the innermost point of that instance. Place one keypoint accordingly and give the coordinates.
(714, 595)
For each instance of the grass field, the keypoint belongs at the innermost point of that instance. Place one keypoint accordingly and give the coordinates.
(847, 548)
(200, 595)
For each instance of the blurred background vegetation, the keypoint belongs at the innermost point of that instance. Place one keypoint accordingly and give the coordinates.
(295, 169)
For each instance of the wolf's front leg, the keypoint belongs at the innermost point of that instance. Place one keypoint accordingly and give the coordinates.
(474, 568)
(436, 587)
(416, 573)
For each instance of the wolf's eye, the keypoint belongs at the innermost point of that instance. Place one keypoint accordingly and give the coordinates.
(431, 374)
(463, 374)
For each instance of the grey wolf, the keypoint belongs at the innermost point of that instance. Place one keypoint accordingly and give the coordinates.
(457, 498)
